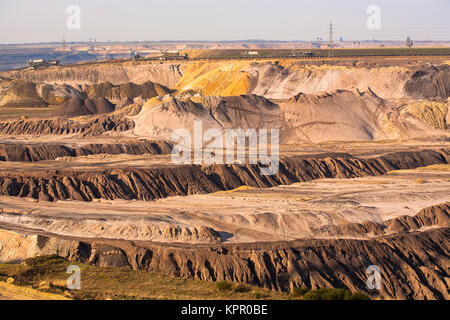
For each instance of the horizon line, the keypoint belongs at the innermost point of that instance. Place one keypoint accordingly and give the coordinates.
(210, 41)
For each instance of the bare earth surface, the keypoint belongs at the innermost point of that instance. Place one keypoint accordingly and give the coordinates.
(12, 292)
(364, 174)
(242, 215)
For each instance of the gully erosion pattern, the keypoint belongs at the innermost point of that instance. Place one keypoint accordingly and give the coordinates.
(99, 134)
(411, 264)
(155, 183)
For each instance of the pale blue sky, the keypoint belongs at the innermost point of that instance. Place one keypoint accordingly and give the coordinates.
(45, 20)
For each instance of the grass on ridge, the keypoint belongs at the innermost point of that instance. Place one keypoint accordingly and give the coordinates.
(121, 283)
(45, 278)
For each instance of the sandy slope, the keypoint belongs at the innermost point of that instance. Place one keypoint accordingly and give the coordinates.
(244, 215)
(339, 115)
(12, 292)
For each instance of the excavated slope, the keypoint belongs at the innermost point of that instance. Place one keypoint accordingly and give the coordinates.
(433, 113)
(271, 79)
(282, 80)
(434, 216)
(438, 215)
(54, 94)
(340, 115)
(26, 94)
(344, 115)
(413, 265)
(75, 107)
(46, 151)
(429, 82)
(93, 126)
(20, 93)
(129, 90)
(162, 118)
(160, 182)
(165, 74)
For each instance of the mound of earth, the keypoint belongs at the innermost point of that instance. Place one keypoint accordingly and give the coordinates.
(75, 107)
(125, 102)
(159, 182)
(166, 74)
(271, 79)
(60, 126)
(161, 118)
(21, 94)
(48, 151)
(433, 113)
(53, 94)
(421, 258)
(339, 115)
(26, 94)
(429, 81)
(347, 116)
(130, 90)
(283, 79)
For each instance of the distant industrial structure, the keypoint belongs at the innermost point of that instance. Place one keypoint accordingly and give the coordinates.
(172, 54)
(409, 43)
(331, 44)
(251, 53)
(317, 43)
(91, 43)
(330, 35)
(41, 63)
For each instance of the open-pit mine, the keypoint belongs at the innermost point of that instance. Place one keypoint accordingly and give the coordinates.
(363, 176)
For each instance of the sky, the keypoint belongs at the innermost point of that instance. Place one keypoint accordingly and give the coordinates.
(29, 21)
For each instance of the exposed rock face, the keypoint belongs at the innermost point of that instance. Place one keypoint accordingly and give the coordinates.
(244, 112)
(339, 115)
(165, 74)
(73, 100)
(44, 151)
(26, 94)
(438, 215)
(434, 216)
(130, 90)
(412, 251)
(57, 94)
(75, 107)
(125, 102)
(344, 115)
(92, 127)
(269, 79)
(413, 265)
(22, 94)
(433, 113)
(283, 79)
(155, 183)
(429, 82)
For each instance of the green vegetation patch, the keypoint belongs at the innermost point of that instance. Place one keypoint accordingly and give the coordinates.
(328, 294)
(48, 274)
(124, 283)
